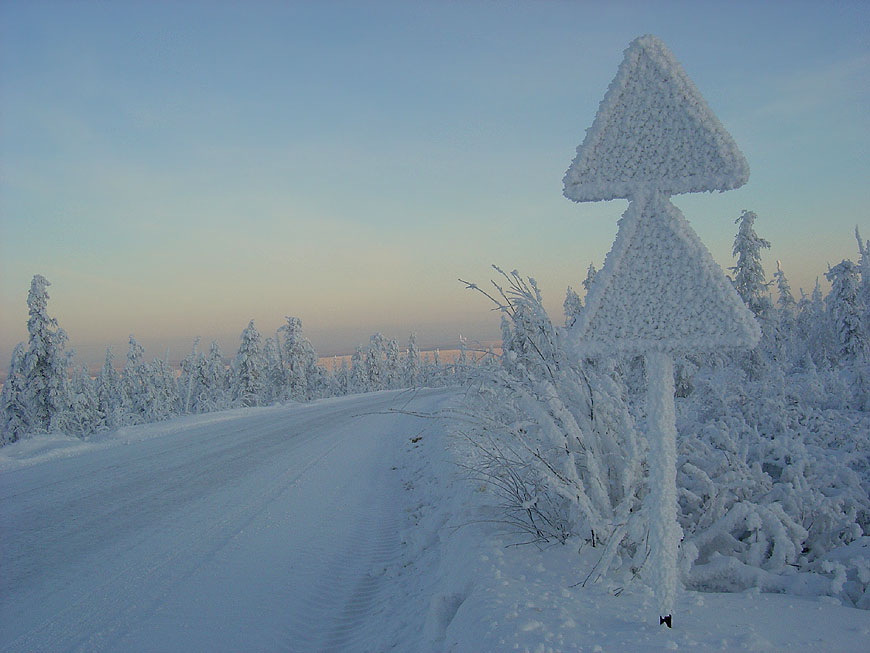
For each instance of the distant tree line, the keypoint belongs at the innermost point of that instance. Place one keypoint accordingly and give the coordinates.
(45, 392)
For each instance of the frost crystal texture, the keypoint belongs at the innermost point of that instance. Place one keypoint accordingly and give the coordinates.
(653, 131)
(661, 290)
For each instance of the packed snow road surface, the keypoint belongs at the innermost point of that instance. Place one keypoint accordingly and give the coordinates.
(269, 529)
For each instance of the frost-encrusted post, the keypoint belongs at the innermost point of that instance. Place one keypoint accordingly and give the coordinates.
(664, 535)
(659, 292)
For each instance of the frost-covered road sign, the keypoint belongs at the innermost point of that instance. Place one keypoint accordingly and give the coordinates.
(659, 292)
(655, 132)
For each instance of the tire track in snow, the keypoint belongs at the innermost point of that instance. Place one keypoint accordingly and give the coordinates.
(352, 630)
(357, 594)
(346, 588)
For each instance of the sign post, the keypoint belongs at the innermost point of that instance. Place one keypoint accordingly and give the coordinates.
(660, 292)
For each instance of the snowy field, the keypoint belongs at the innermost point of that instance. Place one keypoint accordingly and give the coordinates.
(338, 525)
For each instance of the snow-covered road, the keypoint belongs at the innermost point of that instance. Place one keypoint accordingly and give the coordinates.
(271, 529)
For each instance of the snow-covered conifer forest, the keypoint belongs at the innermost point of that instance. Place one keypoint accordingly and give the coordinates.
(46, 392)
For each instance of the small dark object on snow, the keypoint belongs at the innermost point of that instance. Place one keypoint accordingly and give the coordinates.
(417, 439)
(666, 621)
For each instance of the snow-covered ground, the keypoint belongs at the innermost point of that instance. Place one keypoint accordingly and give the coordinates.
(338, 525)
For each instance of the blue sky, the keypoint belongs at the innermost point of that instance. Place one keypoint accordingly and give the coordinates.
(176, 169)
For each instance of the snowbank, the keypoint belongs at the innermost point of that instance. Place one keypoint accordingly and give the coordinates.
(39, 448)
(489, 594)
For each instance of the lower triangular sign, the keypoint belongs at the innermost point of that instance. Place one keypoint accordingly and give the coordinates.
(661, 290)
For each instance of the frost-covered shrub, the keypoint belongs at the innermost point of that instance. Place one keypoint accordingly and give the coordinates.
(768, 484)
(552, 436)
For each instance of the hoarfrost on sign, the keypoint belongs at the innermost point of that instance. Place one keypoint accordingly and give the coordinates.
(653, 131)
(661, 290)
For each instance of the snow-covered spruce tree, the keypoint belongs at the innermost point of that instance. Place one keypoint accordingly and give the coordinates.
(553, 437)
(164, 390)
(411, 367)
(274, 379)
(300, 359)
(359, 378)
(590, 277)
(188, 391)
(786, 305)
(749, 279)
(785, 300)
(844, 304)
(437, 373)
(425, 370)
(392, 368)
(461, 366)
(84, 416)
(847, 315)
(247, 385)
(817, 342)
(204, 404)
(813, 328)
(571, 306)
(785, 316)
(14, 412)
(318, 381)
(217, 380)
(341, 376)
(136, 381)
(45, 364)
(864, 270)
(751, 285)
(110, 399)
(376, 362)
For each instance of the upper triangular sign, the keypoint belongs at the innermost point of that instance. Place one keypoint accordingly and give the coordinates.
(661, 290)
(653, 132)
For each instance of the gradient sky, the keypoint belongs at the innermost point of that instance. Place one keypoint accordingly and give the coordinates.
(178, 168)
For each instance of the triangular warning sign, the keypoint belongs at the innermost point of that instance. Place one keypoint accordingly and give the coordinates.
(653, 131)
(661, 290)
